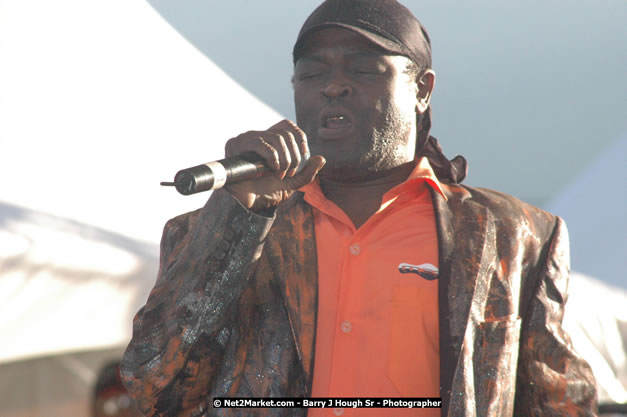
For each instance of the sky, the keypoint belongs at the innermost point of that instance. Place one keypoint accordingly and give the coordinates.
(530, 92)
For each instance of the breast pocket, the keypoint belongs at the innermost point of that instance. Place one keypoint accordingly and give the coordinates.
(412, 362)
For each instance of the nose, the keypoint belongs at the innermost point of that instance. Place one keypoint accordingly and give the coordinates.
(337, 86)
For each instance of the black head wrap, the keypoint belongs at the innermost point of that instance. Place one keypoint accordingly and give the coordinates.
(390, 25)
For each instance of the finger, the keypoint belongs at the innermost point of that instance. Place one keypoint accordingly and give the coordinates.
(308, 174)
(253, 142)
(276, 140)
(294, 152)
(299, 135)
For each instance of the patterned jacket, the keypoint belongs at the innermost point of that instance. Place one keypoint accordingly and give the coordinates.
(233, 312)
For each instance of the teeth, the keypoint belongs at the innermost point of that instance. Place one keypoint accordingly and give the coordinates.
(333, 118)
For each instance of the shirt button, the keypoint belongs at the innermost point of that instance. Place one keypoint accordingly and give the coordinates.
(354, 249)
(338, 411)
(346, 326)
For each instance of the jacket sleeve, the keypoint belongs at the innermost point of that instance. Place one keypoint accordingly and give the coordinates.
(553, 380)
(181, 333)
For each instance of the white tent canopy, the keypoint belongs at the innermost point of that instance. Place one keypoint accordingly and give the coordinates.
(596, 320)
(97, 111)
(99, 102)
(102, 100)
(67, 286)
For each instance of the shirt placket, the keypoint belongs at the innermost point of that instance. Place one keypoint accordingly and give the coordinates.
(347, 326)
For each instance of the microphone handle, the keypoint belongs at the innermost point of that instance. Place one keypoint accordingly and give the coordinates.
(214, 175)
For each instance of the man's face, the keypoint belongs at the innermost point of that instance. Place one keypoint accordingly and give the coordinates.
(356, 104)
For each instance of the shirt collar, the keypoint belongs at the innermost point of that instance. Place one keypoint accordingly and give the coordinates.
(422, 173)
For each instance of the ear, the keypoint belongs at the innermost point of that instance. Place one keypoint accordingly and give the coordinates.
(426, 83)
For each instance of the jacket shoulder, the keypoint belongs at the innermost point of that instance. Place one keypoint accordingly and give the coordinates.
(508, 210)
(182, 222)
(178, 227)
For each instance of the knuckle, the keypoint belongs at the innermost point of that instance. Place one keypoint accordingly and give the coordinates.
(300, 136)
(290, 136)
(297, 129)
(286, 123)
(290, 123)
(290, 126)
(273, 137)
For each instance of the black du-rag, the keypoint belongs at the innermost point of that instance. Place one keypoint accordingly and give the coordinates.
(391, 26)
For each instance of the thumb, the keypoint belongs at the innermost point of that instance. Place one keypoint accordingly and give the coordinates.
(309, 172)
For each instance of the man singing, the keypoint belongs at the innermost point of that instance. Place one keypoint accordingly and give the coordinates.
(372, 272)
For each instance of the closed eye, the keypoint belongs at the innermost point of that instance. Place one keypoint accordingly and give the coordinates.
(308, 76)
(368, 71)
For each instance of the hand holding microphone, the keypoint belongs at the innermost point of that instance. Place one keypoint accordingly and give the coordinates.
(261, 168)
(216, 174)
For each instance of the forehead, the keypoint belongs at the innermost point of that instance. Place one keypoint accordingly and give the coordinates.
(336, 39)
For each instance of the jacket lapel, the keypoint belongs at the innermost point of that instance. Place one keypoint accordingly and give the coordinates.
(466, 253)
(293, 259)
(463, 228)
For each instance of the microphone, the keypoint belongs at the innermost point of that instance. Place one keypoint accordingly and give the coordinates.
(216, 174)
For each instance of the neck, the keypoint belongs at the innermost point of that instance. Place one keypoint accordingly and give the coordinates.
(360, 200)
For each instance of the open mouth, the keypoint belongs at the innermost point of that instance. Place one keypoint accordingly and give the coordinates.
(334, 123)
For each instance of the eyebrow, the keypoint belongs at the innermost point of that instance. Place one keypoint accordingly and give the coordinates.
(316, 57)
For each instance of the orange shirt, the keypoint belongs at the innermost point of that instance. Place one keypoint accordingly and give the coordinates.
(377, 325)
